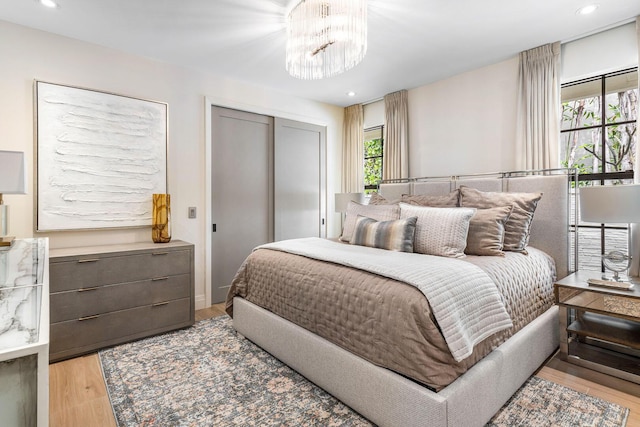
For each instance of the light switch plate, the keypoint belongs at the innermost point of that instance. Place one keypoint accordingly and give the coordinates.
(192, 212)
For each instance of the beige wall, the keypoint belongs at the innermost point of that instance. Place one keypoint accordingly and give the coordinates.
(467, 123)
(29, 54)
(464, 124)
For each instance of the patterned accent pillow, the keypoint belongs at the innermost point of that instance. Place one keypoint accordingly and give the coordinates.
(379, 213)
(486, 231)
(439, 231)
(447, 201)
(396, 235)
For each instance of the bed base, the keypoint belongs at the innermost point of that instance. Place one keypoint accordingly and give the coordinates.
(388, 399)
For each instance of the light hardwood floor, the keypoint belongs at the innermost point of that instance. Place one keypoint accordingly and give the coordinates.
(78, 396)
(77, 393)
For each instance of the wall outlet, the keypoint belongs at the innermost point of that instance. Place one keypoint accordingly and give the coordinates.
(192, 212)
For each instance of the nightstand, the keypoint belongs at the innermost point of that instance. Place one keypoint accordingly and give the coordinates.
(24, 334)
(599, 327)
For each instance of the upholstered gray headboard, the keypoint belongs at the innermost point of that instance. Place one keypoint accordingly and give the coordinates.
(550, 229)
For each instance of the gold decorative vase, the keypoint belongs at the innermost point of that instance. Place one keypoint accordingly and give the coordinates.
(161, 226)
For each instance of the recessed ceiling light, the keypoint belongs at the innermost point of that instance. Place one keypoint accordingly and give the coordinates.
(586, 10)
(48, 3)
(351, 93)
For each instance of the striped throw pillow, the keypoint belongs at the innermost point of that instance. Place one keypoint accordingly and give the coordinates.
(394, 235)
(379, 213)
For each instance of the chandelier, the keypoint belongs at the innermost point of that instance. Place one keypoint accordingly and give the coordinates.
(326, 37)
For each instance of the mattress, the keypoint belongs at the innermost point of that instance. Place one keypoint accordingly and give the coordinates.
(384, 321)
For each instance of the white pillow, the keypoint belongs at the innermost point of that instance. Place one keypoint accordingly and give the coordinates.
(377, 212)
(439, 231)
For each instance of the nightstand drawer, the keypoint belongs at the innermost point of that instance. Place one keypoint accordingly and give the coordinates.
(70, 305)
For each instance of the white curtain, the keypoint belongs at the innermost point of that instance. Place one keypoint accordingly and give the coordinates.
(538, 109)
(634, 250)
(353, 149)
(395, 156)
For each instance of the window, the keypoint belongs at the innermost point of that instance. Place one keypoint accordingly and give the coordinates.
(373, 148)
(599, 138)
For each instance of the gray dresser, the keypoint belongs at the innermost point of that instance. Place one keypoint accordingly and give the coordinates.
(111, 294)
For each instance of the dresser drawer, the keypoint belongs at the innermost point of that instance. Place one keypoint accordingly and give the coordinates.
(91, 271)
(71, 305)
(82, 336)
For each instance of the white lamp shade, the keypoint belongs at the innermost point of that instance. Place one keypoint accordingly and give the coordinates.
(610, 204)
(343, 199)
(13, 172)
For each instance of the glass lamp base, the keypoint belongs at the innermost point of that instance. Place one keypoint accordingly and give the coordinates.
(5, 241)
(4, 220)
(616, 262)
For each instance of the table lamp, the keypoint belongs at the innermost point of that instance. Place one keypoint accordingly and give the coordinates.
(611, 204)
(342, 201)
(13, 180)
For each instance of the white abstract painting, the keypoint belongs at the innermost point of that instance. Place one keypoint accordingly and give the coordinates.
(100, 158)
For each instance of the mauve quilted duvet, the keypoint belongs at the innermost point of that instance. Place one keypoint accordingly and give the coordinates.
(387, 322)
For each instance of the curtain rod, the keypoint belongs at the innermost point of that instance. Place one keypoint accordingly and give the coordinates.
(371, 101)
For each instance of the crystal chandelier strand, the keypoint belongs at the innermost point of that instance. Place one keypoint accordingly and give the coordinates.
(326, 37)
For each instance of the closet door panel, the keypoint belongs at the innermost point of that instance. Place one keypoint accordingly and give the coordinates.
(242, 191)
(299, 180)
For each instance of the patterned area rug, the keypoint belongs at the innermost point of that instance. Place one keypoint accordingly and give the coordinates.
(543, 403)
(206, 375)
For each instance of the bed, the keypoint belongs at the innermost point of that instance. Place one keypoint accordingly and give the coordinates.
(356, 346)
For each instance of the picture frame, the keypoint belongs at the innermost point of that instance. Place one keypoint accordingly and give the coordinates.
(99, 158)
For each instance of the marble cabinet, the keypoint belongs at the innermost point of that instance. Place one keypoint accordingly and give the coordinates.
(24, 333)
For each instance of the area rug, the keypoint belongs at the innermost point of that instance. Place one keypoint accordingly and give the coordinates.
(208, 376)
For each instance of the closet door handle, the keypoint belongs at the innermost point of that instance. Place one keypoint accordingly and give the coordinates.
(155, 279)
(82, 319)
(159, 253)
(80, 261)
(95, 288)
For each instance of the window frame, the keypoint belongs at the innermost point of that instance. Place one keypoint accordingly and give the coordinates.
(381, 156)
(601, 176)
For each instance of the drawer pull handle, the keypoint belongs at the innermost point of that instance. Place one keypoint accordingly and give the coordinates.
(159, 253)
(88, 260)
(158, 304)
(88, 317)
(88, 289)
(155, 279)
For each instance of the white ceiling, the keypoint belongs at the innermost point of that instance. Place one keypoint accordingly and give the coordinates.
(411, 42)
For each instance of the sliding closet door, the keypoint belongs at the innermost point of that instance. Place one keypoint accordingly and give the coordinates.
(242, 191)
(299, 180)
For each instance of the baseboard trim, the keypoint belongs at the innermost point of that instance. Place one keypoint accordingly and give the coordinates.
(201, 302)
